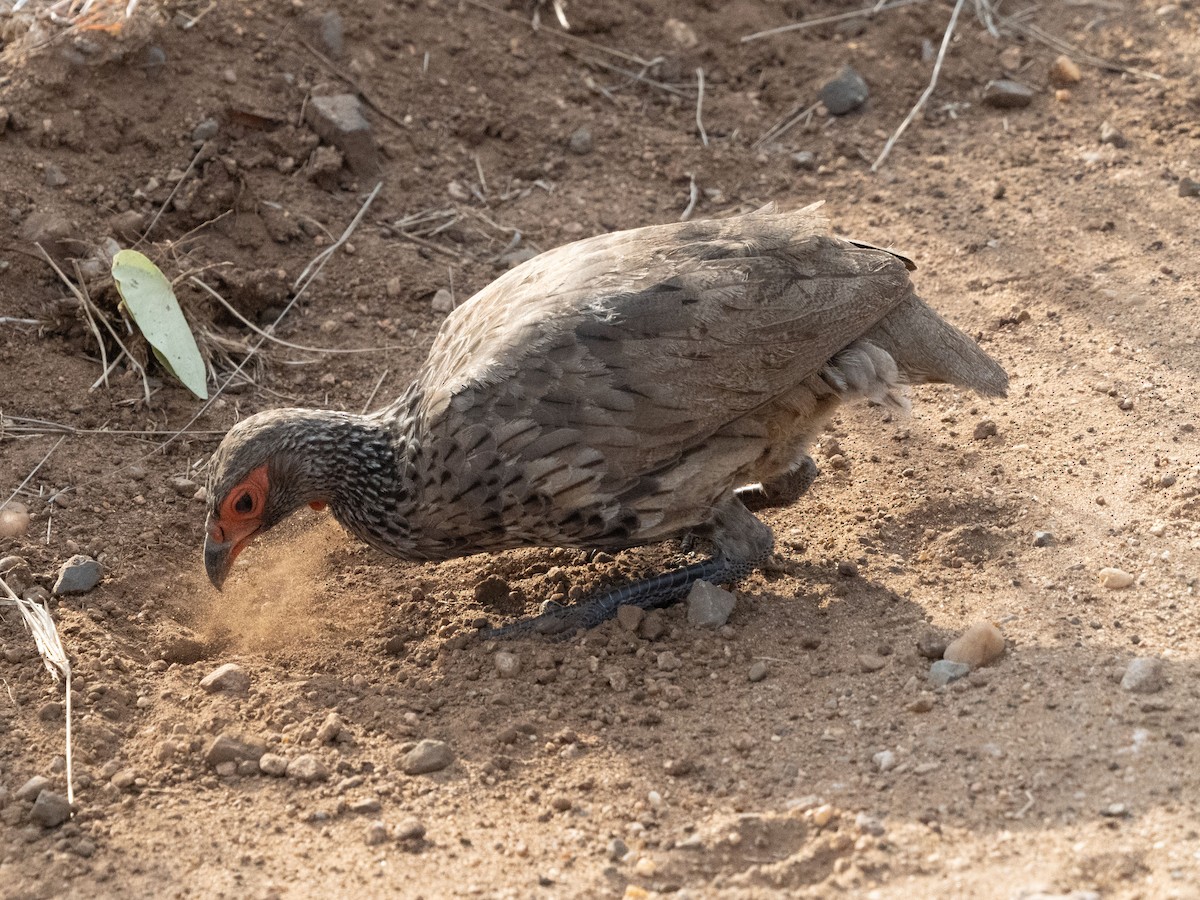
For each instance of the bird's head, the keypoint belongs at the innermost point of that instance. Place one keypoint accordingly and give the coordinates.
(261, 473)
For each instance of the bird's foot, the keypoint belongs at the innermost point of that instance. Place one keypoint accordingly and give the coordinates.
(561, 622)
(784, 490)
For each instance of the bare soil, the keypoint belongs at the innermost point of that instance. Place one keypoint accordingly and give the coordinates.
(1075, 262)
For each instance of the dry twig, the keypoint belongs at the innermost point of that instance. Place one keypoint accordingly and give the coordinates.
(700, 106)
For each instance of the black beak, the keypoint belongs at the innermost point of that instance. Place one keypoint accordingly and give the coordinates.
(217, 560)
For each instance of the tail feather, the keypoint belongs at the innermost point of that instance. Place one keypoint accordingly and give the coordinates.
(927, 348)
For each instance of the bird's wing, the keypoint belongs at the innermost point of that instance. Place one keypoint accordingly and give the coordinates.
(644, 343)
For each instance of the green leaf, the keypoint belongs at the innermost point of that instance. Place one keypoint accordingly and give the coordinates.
(151, 303)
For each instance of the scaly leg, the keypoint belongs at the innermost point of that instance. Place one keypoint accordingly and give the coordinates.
(742, 543)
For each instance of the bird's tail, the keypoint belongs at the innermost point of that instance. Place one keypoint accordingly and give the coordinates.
(927, 348)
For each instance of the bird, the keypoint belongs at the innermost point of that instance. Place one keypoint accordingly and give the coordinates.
(622, 390)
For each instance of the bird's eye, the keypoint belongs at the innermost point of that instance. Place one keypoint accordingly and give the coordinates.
(244, 504)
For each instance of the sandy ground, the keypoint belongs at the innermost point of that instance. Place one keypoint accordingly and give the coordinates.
(614, 764)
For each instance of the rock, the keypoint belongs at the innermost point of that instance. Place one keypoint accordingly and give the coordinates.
(1110, 135)
(1144, 675)
(54, 176)
(709, 606)
(681, 34)
(845, 93)
(30, 789)
(653, 626)
(184, 487)
(410, 829)
(229, 678)
(805, 160)
(580, 141)
(307, 768)
(273, 764)
(1005, 94)
(1043, 538)
(331, 33)
(78, 575)
(1064, 72)
(124, 779)
(979, 645)
(366, 806)
(1115, 579)
(868, 824)
(630, 617)
(50, 809)
(442, 302)
(338, 120)
(1189, 188)
(14, 520)
(944, 671)
(758, 670)
(617, 850)
(884, 760)
(227, 747)
(1010, 59)
(508, 665)
(330, 729)
(871, 662)
(205, 131)
(931, 644)
(50, 229)
(984, 429)
(428, 756)
(678, 768)
(847, 569)
(375, 834)
(822, 815)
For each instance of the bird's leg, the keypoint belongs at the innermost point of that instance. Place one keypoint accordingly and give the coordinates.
(783, 490)
(742, 543)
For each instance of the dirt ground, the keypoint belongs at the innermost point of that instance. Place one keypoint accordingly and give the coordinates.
(611, 764)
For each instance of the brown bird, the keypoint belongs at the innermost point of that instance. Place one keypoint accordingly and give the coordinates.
(613, 392)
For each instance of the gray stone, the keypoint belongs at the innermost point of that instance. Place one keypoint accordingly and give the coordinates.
(332, 33)
(1144, 675)
(581, 141)
(50, 809)
(617, 850)
(273, 764)
(338, 120)
(845, 93)
(932, 644)
(410, 830)
(1189, 188)
(376, 834)
(30, 789)
(709, 606)
(805, 160)
(1043, 538)
(1006, 94)
(54, 175)
(206, 130)
(428, 756)
(1110, 134)
(942, 672)
(758, 670)
(78, 575)
(442, 302)
(229, 678)
(330, 729)
(307, 768)
(231, 748)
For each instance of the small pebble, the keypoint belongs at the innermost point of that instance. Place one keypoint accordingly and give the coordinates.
(50, 809)
(1189, 187)
(884, 760)
(1115, 579)
(871, 662)
(847, 569)
(709, 606)
(984, 429)
(932, 644)
(273, 764)
(630, 617)
(227, 747)
(1010, 59)
(375, 834)
(442, 302)
(1006, 94)
(581, 141)
(1043, 538)
(805, 160)
(680, 33)
(979, 645)
(822, 815)
(307, 768)
(868, 824)
(205, 131)
(54, 175)
(229, 678)
(366, 805)
(944, 671)
(653, 626)
(31, 788)
(1110, 135)
(410, 830)
(845, 92)
(14, 520)
(124, 779)
(1144, 675)
(507, 664)
(428, 756)
(758, 670)
(645, 867)
(330, 729)
(1064, 72)
(617, 850)
(78, 575)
